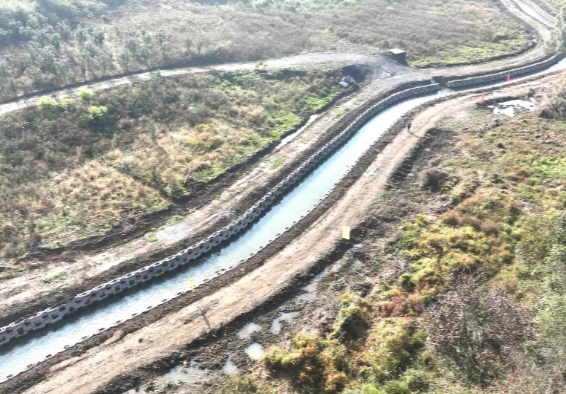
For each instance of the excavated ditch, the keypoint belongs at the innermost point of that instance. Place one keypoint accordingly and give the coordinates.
(37, 373)
(354, 173)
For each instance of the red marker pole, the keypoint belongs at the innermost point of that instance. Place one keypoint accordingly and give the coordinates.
(482, 96)
(508, 77)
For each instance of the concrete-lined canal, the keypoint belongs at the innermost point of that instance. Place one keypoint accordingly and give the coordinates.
(33, 348)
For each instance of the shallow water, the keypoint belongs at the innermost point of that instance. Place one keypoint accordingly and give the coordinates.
(513, 107)
(284, 317)
(255, 351)
(248, 330)
(229, 368)
(179, 375)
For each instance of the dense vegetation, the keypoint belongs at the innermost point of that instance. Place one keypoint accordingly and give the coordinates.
(479, 306)
(74, 168)
(50, 43)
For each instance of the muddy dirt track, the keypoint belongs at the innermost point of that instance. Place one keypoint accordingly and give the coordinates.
(93, 366)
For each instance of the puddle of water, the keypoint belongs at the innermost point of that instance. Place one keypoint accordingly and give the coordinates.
(229, 368)
(310, 290)
(189, 375)
(255, 351)
(514, 107)
(248, 330)
(286, 317)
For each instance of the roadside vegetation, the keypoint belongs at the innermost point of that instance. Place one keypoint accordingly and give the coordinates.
(476, 301)
(50, 43)
(75, 168)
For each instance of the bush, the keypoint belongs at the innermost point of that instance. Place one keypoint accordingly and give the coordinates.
(392, 346)
(433, 179)
(97, 115)
(316, 365)
(51, 108)
(353, 318)
(86, 95)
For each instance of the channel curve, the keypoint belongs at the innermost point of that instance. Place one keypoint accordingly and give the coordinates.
(119, 285)
(130, 280)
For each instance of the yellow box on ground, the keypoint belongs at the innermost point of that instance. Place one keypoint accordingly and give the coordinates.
(346, 232)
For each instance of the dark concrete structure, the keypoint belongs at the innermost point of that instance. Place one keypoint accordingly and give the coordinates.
(399, 55)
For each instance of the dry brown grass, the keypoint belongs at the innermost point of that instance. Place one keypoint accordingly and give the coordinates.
(72, 169)
(147, 34)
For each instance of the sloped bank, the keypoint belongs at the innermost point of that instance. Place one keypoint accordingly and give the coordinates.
(26, 379)
(502, 75)
(116, 286)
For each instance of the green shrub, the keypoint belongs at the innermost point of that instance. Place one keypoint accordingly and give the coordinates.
(51, 108)
(97, 115)
(316, 365)
(392, 345)
(353, 318)
(86, 95)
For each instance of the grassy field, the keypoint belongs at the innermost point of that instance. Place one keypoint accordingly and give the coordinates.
(50, 43)
(479, 307)
(71, 169)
